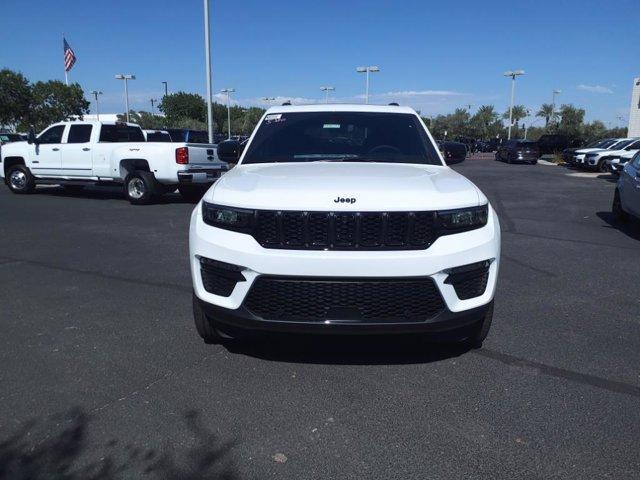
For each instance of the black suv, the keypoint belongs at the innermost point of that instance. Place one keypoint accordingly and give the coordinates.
(518, 151)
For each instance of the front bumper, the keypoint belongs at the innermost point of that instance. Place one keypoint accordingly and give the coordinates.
(243, 318)
(199, 175)
(445, 253)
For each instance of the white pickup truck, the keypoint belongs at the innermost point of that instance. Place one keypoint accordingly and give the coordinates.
(79, 153)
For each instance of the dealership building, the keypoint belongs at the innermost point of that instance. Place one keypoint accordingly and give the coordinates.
(634, 113)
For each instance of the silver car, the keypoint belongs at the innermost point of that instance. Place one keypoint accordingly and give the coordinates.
(626, 199)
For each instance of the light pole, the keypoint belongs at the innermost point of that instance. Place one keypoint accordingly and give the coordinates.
(326, 91)
(166, 90)
(367, 70)
(126, 79)
(95, 93)
(228, 91)
(153, 101)
(207, 53)
(513, 74)
(553, 103)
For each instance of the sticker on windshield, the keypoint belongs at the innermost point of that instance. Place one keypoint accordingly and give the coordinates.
(274, 117)
(331, 125)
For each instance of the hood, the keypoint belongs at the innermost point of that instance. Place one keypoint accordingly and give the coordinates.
(320, 186)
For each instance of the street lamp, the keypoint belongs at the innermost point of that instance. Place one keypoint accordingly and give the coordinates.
(153, 101)
(513, 74)
(126, 79)
(95, 93)
(166, 90)
(367, 70)
(228, 91)
(207, 53)
(553, 102)
(326, 91)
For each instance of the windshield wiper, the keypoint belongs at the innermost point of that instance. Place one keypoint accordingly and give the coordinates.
(343, 158)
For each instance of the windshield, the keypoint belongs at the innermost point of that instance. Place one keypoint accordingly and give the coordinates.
(341, 137)
(620, 145)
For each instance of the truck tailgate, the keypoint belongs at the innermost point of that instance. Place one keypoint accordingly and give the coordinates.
(204, 155)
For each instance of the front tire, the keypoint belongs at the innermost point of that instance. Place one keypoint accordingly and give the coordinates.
(619, 214)
(480, 330)
(20, 180)
(140, 188)
(205, 325)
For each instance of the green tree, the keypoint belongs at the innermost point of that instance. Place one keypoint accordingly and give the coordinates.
(15, 97)
(183, 105)
(571, 121)
(547, 111)
(53, 101)
(483, 120)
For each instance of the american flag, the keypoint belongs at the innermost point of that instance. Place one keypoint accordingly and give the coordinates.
(69, 56)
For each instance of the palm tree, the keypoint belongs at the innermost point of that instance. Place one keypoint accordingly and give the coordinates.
(519, 112)
(547, 111)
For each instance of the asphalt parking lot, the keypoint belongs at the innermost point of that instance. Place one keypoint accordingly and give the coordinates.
(104, 376)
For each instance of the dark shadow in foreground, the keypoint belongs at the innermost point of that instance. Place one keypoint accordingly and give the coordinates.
(92, 192)
(631, 228)
(345, 350)
(58, 450)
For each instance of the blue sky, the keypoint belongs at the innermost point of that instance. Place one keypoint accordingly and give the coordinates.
(433, 55)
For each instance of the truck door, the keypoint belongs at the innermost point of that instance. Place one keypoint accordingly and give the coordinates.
(76, 152)
(46, 156)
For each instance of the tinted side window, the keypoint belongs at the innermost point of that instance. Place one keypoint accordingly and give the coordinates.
(121, 133)
(198, 137)
(636, 161)
(634, 146)
(51, 135)
(79, 133)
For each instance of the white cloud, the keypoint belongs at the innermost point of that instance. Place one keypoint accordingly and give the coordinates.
(594, 88)
(423, 93)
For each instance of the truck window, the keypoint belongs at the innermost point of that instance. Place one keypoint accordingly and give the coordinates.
(51, 135)
(121, 133)
(177, 135)
(198, 137)
(79, 133)
(158, 137)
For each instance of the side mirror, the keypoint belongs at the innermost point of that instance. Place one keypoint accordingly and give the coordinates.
(229, 151)
(31, 137)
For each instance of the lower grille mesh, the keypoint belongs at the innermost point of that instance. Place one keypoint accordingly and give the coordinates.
(371, 300)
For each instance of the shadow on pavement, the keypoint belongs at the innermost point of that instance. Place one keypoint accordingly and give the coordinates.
(346, 350)
(108, 193)
(631, 228)
(609, 177)
(57, 449)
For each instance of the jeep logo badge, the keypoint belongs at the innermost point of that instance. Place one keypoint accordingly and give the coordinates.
(344, 200)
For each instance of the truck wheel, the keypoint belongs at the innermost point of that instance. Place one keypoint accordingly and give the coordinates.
(20, 180)
(140, 187)
(619, 214)
(192, 193)
(205, 325)
(480, 330)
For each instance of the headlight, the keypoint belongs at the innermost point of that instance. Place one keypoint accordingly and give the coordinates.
(229, 218)
(462, 219)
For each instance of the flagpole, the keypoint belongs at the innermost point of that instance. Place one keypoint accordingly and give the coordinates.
(66, 76)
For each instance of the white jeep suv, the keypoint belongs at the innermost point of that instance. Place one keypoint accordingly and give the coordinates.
(343, 219)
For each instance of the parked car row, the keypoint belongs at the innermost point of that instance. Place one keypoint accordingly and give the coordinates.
(608, 154)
